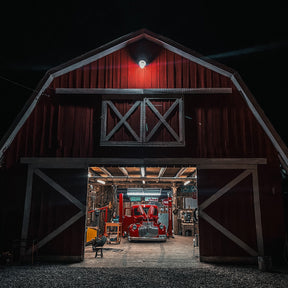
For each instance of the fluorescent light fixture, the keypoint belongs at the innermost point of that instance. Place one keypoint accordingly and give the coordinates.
(142, 63)
(101, 181)
(187, 182)
(142, 171)
(143, 182)
(143, 192)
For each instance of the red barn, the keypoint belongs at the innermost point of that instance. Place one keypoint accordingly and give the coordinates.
(180, 110)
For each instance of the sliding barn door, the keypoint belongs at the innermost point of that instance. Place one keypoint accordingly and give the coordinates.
(229, 215)
(57, 216)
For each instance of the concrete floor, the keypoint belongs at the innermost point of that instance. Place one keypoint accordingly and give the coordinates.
(177, 252)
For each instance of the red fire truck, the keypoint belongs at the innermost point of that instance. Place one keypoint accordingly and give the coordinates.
(140, 222)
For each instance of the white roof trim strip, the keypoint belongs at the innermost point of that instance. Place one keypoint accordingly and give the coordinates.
(190, 57)
(93, 58)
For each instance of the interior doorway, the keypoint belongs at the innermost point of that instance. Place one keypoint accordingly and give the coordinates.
(144, 186)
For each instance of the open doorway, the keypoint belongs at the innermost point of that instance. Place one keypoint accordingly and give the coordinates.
(113, 193)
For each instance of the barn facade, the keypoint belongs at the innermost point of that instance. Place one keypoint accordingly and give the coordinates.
(180, 110)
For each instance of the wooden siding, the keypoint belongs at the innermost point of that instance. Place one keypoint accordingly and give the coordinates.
(51, 210)
(236, 226)
(234, 211)
(216, 125)
(120, 70)
(13, 186)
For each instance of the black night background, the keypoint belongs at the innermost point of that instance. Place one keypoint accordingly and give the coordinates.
(248, 36)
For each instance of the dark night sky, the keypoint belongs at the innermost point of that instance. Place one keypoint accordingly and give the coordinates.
(37, 37)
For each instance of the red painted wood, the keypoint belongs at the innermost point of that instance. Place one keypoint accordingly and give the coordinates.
(215, 125)
(234, 210)
(49, 210)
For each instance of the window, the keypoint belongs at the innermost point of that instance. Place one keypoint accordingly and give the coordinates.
(142, 122)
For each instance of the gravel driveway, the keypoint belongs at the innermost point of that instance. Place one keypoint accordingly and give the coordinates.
(71, 276)
(174, 263)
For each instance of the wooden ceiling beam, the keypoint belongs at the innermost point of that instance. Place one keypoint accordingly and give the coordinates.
(140, 179)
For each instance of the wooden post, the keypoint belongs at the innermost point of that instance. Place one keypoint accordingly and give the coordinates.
(170, 228)
(257, 211)
(26, 214)
(120, 207)
(174, 205)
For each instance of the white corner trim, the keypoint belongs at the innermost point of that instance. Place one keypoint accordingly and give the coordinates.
(257, 212)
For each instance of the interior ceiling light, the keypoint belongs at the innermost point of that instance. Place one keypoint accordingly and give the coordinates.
(187, 182)
(142, 171)
(101, 181)
(142, 63)
(143, 192)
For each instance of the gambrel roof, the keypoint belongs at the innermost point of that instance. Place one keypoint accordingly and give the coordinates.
(166, 43)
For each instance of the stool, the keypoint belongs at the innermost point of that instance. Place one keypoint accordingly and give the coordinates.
(97, 250)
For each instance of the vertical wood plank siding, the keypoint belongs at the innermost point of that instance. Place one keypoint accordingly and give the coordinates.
(50, 209)
(234, 211)
(69, 126)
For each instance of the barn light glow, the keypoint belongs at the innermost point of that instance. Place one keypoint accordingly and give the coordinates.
(142, 63)
(101, 181)
(187, 182)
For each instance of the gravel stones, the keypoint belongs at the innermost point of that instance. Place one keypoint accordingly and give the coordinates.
(69, 276)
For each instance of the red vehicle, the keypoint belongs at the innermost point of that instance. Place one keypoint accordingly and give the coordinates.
(141, 223)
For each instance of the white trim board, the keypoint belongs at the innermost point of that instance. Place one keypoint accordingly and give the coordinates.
(201, 163)
(132, 91)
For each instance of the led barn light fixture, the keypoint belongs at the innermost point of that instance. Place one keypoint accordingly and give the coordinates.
(142, 63)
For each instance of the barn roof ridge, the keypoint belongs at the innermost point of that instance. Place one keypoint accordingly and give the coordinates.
(165, 42)
(129, 38)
